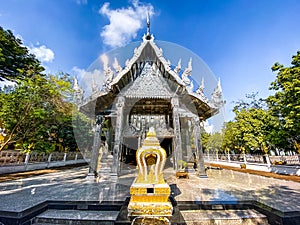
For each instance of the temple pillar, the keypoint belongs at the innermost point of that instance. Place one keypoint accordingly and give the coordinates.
(93, 173)
(118, 137)
(186, 150)
(177, 154)
(199, 150)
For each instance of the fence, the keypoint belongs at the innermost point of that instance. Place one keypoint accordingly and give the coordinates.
(288, 165)
(12, 161)
(13, 157)
(261, 159)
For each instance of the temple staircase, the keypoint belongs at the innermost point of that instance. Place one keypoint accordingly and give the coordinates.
(224, 217)
(112, 216)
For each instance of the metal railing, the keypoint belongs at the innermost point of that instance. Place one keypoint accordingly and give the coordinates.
(14, 157)
(247, 158)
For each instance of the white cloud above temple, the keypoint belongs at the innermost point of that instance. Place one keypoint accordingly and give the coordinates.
(124, 23)
(42, 53)
(86, 78)
(81, 2)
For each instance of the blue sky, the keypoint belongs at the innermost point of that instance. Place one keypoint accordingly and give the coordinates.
(238, 39)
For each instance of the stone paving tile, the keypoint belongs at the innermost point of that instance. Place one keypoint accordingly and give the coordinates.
(194, 215)
(79, 215)
(227, 185)
(224, 217)
(221, 185)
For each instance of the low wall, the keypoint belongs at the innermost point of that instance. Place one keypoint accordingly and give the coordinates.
(293, 160)
(14, 161)
(37, 166)
(280, 169)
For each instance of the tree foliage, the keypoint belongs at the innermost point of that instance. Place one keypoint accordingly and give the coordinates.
(211, 141)
(258, 126)
(250, 129)
(35, 110)
(205, 139)
(15, 60)
(230, 136)
(285, 103)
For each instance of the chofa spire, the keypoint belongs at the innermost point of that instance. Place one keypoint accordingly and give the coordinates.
(148, 35)
(217, 95)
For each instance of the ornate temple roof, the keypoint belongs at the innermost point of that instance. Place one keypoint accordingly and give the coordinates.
(149, 84)
(148, 75)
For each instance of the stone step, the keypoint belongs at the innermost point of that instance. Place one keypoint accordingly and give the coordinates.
(76, 217)
(46, 223)
(189, 217)
(224, 217)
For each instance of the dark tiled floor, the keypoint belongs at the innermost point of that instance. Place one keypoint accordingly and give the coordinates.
(221, 185)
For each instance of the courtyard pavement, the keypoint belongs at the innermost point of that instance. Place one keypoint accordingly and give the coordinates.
(221, 185)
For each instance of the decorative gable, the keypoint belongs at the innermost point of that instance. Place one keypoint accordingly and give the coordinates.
(150, 84)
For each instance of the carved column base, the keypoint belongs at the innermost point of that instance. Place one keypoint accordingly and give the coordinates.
(113, 177)
(104, 176)
(203, 176)
(202, 172)
(91, 177)
(105, 172)
(109, 178)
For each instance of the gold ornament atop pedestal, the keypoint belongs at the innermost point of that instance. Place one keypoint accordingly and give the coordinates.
(149, 192)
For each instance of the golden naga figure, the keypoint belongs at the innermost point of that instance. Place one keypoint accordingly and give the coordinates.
(149, 192)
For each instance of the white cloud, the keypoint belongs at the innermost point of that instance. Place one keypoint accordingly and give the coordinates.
(208, 127)
(124, 23)
(43, 53)
(81, 2)
(86, 79)
(19, 36)
(5, 82)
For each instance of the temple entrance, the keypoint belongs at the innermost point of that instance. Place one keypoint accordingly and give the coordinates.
(131, 145)
(143, 114)
(166, 144)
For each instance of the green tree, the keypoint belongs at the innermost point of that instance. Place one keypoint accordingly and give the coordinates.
(253, 126)
(250, 130)
(35, 109)
(231, 138)
(83, 130)
(285, 104)
(205, 139)
(15, 60)
(215, 141)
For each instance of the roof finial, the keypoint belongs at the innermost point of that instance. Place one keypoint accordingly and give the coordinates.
(148, 36)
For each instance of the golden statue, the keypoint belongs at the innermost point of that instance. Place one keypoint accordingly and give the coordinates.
(149, 192)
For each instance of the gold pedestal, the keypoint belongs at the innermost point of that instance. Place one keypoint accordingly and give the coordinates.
(150, 199)
(149, 192)
(151, 220)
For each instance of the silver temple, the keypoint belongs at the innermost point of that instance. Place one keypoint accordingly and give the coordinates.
(146, 93)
